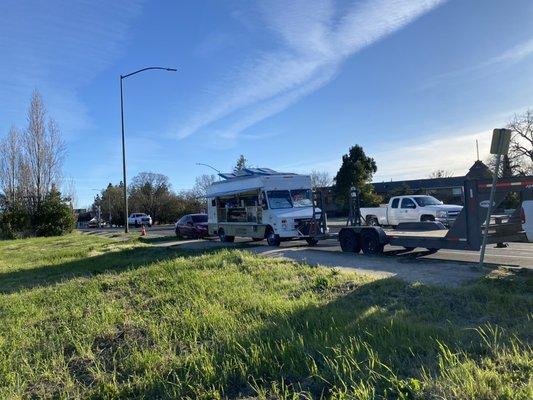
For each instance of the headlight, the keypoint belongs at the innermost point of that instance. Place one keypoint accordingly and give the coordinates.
(442, 214)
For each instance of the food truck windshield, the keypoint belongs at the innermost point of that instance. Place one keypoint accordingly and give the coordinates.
(289, 198)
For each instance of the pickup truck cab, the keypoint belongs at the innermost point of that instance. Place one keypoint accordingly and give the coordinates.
(139, 219)
(415, 208)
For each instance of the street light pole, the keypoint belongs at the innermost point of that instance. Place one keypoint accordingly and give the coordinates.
(207, 165)
(126, 229)
(122, 77)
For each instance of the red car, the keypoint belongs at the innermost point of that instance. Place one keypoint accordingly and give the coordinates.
(192, 226)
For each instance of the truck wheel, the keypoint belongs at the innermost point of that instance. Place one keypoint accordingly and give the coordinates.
(427, 218)
(225, 238)
(349, 242)
(272, 239)
(370, 243)
(311, 241)
(372, 221)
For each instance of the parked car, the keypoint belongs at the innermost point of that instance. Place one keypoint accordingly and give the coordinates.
(527, 218)
(411, 209)
(192, 226)
(93, 223)
(139, 219)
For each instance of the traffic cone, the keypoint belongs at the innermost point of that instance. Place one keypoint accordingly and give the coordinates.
(143, 231)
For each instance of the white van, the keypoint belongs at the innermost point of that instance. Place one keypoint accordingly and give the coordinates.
(261, 203)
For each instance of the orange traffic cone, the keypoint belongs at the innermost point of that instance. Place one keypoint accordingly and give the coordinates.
(143, 231)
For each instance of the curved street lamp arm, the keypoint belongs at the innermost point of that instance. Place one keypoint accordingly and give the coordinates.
(145, 69)
(207, 165)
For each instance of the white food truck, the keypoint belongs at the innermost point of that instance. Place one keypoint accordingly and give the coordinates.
(261, 203)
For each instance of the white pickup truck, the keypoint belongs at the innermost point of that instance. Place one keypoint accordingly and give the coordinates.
(139, 219)
(411, 209)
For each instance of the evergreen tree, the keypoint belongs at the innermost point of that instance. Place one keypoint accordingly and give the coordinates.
(356, 170)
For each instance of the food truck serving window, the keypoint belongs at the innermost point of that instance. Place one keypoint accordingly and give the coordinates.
(279, 199)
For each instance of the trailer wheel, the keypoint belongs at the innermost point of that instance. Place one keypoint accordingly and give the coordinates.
(225, 238)
(272, 239)
(349, 241)
(311, 241)
(370, 243)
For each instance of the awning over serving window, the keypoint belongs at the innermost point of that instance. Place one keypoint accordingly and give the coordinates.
(233, 192)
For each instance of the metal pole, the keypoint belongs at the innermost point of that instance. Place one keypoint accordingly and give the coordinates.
(491, 201)
(126, 228)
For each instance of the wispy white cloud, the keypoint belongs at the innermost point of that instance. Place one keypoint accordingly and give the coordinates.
(58, 47)
(314, 38)
(514, 54)
(510, 56)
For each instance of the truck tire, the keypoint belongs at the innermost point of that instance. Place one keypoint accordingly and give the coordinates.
(372, 221)
(427, 218)
(370, 243)
(225, 238)
(349, 241)
(272, 239)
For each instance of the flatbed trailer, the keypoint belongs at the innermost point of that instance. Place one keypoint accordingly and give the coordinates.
(465, 234)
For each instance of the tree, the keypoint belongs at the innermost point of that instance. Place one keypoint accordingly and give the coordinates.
(521, 146)
(201, 185)
(356, 170)
(54, 216)
(149, 192)
(320, 179)
(111, 204)
(242, 163)
(10, 165)
(440, 173)
(43, 150)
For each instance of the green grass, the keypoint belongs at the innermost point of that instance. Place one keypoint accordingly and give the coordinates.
(85, 316)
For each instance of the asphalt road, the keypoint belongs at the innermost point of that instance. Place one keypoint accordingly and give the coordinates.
(516, 255)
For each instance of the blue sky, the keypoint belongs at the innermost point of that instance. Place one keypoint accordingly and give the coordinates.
(291, 85)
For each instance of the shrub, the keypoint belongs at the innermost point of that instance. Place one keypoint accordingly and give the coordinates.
(14, 223)
(54, 217)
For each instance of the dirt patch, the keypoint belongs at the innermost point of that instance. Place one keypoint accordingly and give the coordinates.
(109, 348)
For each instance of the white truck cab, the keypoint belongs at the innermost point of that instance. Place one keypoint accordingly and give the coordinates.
(261, 203)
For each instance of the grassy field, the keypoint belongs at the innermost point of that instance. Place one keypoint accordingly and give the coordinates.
(89, 317)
